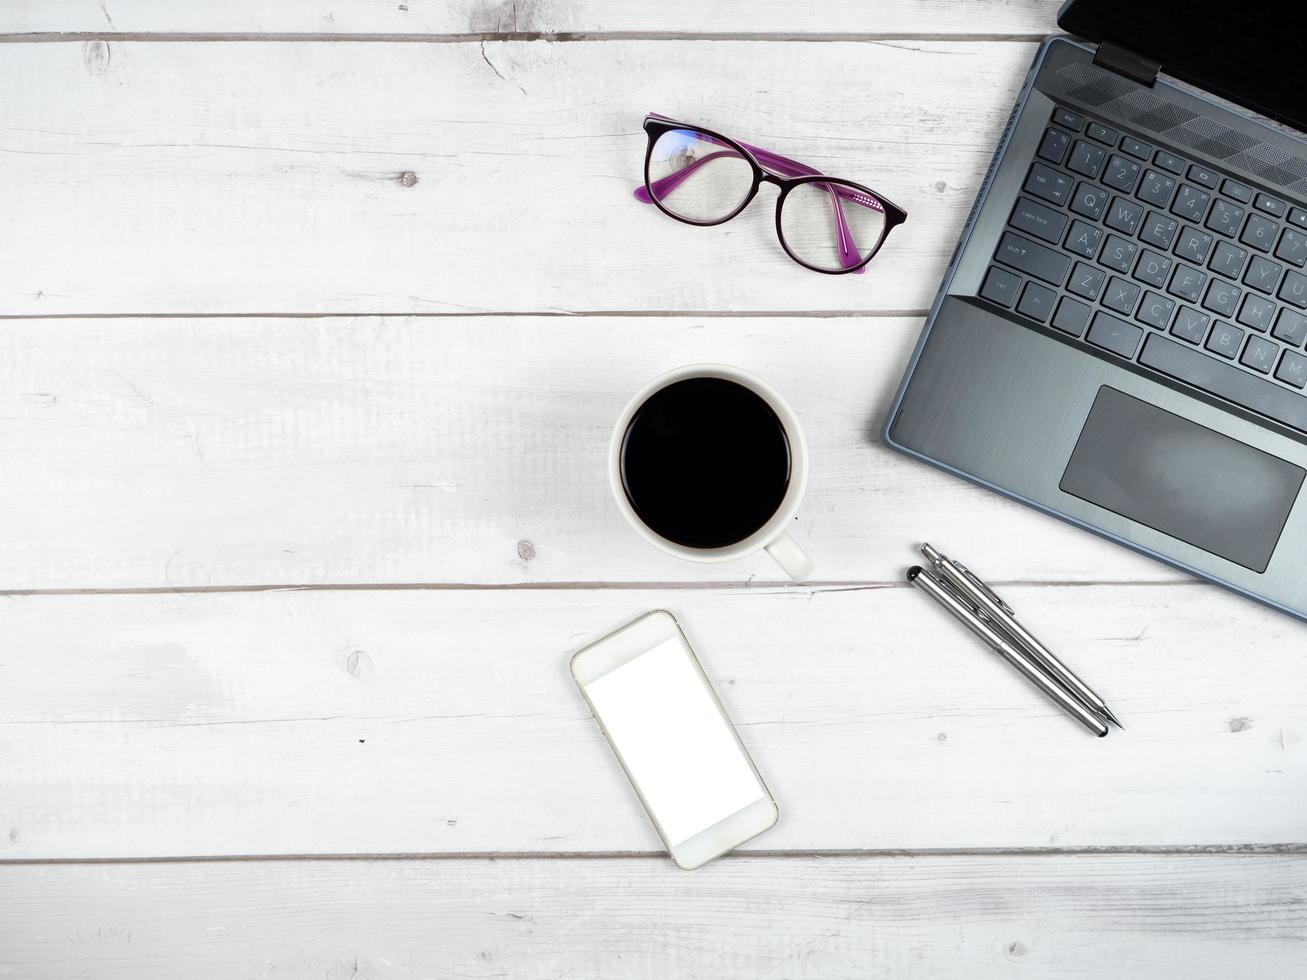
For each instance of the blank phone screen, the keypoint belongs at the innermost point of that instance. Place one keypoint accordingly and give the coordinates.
(678, 747)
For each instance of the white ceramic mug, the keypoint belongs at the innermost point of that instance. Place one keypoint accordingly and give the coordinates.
(771, 536)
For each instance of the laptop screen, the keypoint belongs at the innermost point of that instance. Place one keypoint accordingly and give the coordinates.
(1252, 52)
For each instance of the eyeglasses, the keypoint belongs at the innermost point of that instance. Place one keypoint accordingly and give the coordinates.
(826, 224)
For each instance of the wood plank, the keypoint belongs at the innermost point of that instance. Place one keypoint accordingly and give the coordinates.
(407, 177)
(158, 453)
(587, 17)
(1156, 916)
(363, 722)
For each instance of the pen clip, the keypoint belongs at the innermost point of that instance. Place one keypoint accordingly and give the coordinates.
(975, 580)
(964, 599)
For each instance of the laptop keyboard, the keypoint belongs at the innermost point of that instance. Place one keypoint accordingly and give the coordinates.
(1143, 255)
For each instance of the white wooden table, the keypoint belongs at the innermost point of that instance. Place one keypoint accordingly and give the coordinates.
(317, 315)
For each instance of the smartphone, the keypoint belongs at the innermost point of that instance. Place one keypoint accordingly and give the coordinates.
(671, 734)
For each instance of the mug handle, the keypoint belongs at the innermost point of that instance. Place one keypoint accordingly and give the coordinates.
(793, 559)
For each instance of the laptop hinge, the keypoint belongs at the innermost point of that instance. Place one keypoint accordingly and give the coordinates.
(1125, 62)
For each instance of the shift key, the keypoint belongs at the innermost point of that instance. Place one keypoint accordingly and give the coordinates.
(1032, 259)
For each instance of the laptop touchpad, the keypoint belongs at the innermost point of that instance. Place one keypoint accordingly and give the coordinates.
(1182, 479)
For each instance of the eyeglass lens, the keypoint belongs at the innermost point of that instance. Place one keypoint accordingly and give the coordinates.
(697, 177)
(831, 226)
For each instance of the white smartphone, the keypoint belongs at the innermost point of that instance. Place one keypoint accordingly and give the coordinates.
(672, 736)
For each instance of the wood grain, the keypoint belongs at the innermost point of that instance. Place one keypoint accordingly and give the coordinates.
(362, 722)
(1199, 917)
(172, 454)
(933, 18)
(464, 177)
(214, 453)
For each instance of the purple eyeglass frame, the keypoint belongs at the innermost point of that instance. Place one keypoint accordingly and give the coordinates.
(786, 174)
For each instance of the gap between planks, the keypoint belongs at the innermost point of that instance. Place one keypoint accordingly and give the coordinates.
(564, 37)
(1175, 850)
(770, 587)
(659, 314)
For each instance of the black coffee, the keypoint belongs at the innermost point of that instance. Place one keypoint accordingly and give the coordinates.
(705, 462)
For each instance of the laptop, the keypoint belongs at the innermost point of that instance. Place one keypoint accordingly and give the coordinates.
(1120, 339)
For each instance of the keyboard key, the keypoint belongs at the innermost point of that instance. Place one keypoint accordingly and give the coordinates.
(1001, 286)
(1089, 200)
(1086, 159)
(1155, 310)
(1053, 146)
(1260, 355)
(1121, 173)
(1034, 260)
(1086, 281)
(1101, 133)
(1227, 260)
(1156, 188)
(1259, 232)
(1194, 245)
(1225, 381)
(1225, 218)
(1257, 312)
(1049, 185)
(1291, 327)
(1137, 148)
(1159, 229)
(1225, 339)
(1294, 289)
(1120, 295)
(1038, 220)
(1292, 247)
(1201, 175)
(1187, 283)
(1190, 325)
(1084, 239)
(1293, 369)
(1298, 217)
(1071, 316)
(1263, 274)
(1067, 118)
(1153, 268)
(1114, 335)
(1169, 161)
(1240, 192)
(1124, 215)
(1037, 302)
(1191, 203)
(1222, 297)
(1118, 254)
(1271, 205)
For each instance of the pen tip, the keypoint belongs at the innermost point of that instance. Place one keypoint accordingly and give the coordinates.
(1112, 718)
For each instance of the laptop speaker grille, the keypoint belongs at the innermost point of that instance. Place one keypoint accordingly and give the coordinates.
(1124, 100)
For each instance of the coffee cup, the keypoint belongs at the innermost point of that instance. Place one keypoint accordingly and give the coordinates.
(709, 463)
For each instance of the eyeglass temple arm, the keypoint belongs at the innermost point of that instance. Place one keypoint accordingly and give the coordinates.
(784, 167)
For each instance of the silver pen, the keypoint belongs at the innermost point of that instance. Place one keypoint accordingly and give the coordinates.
(969, 615)
(991, 607)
